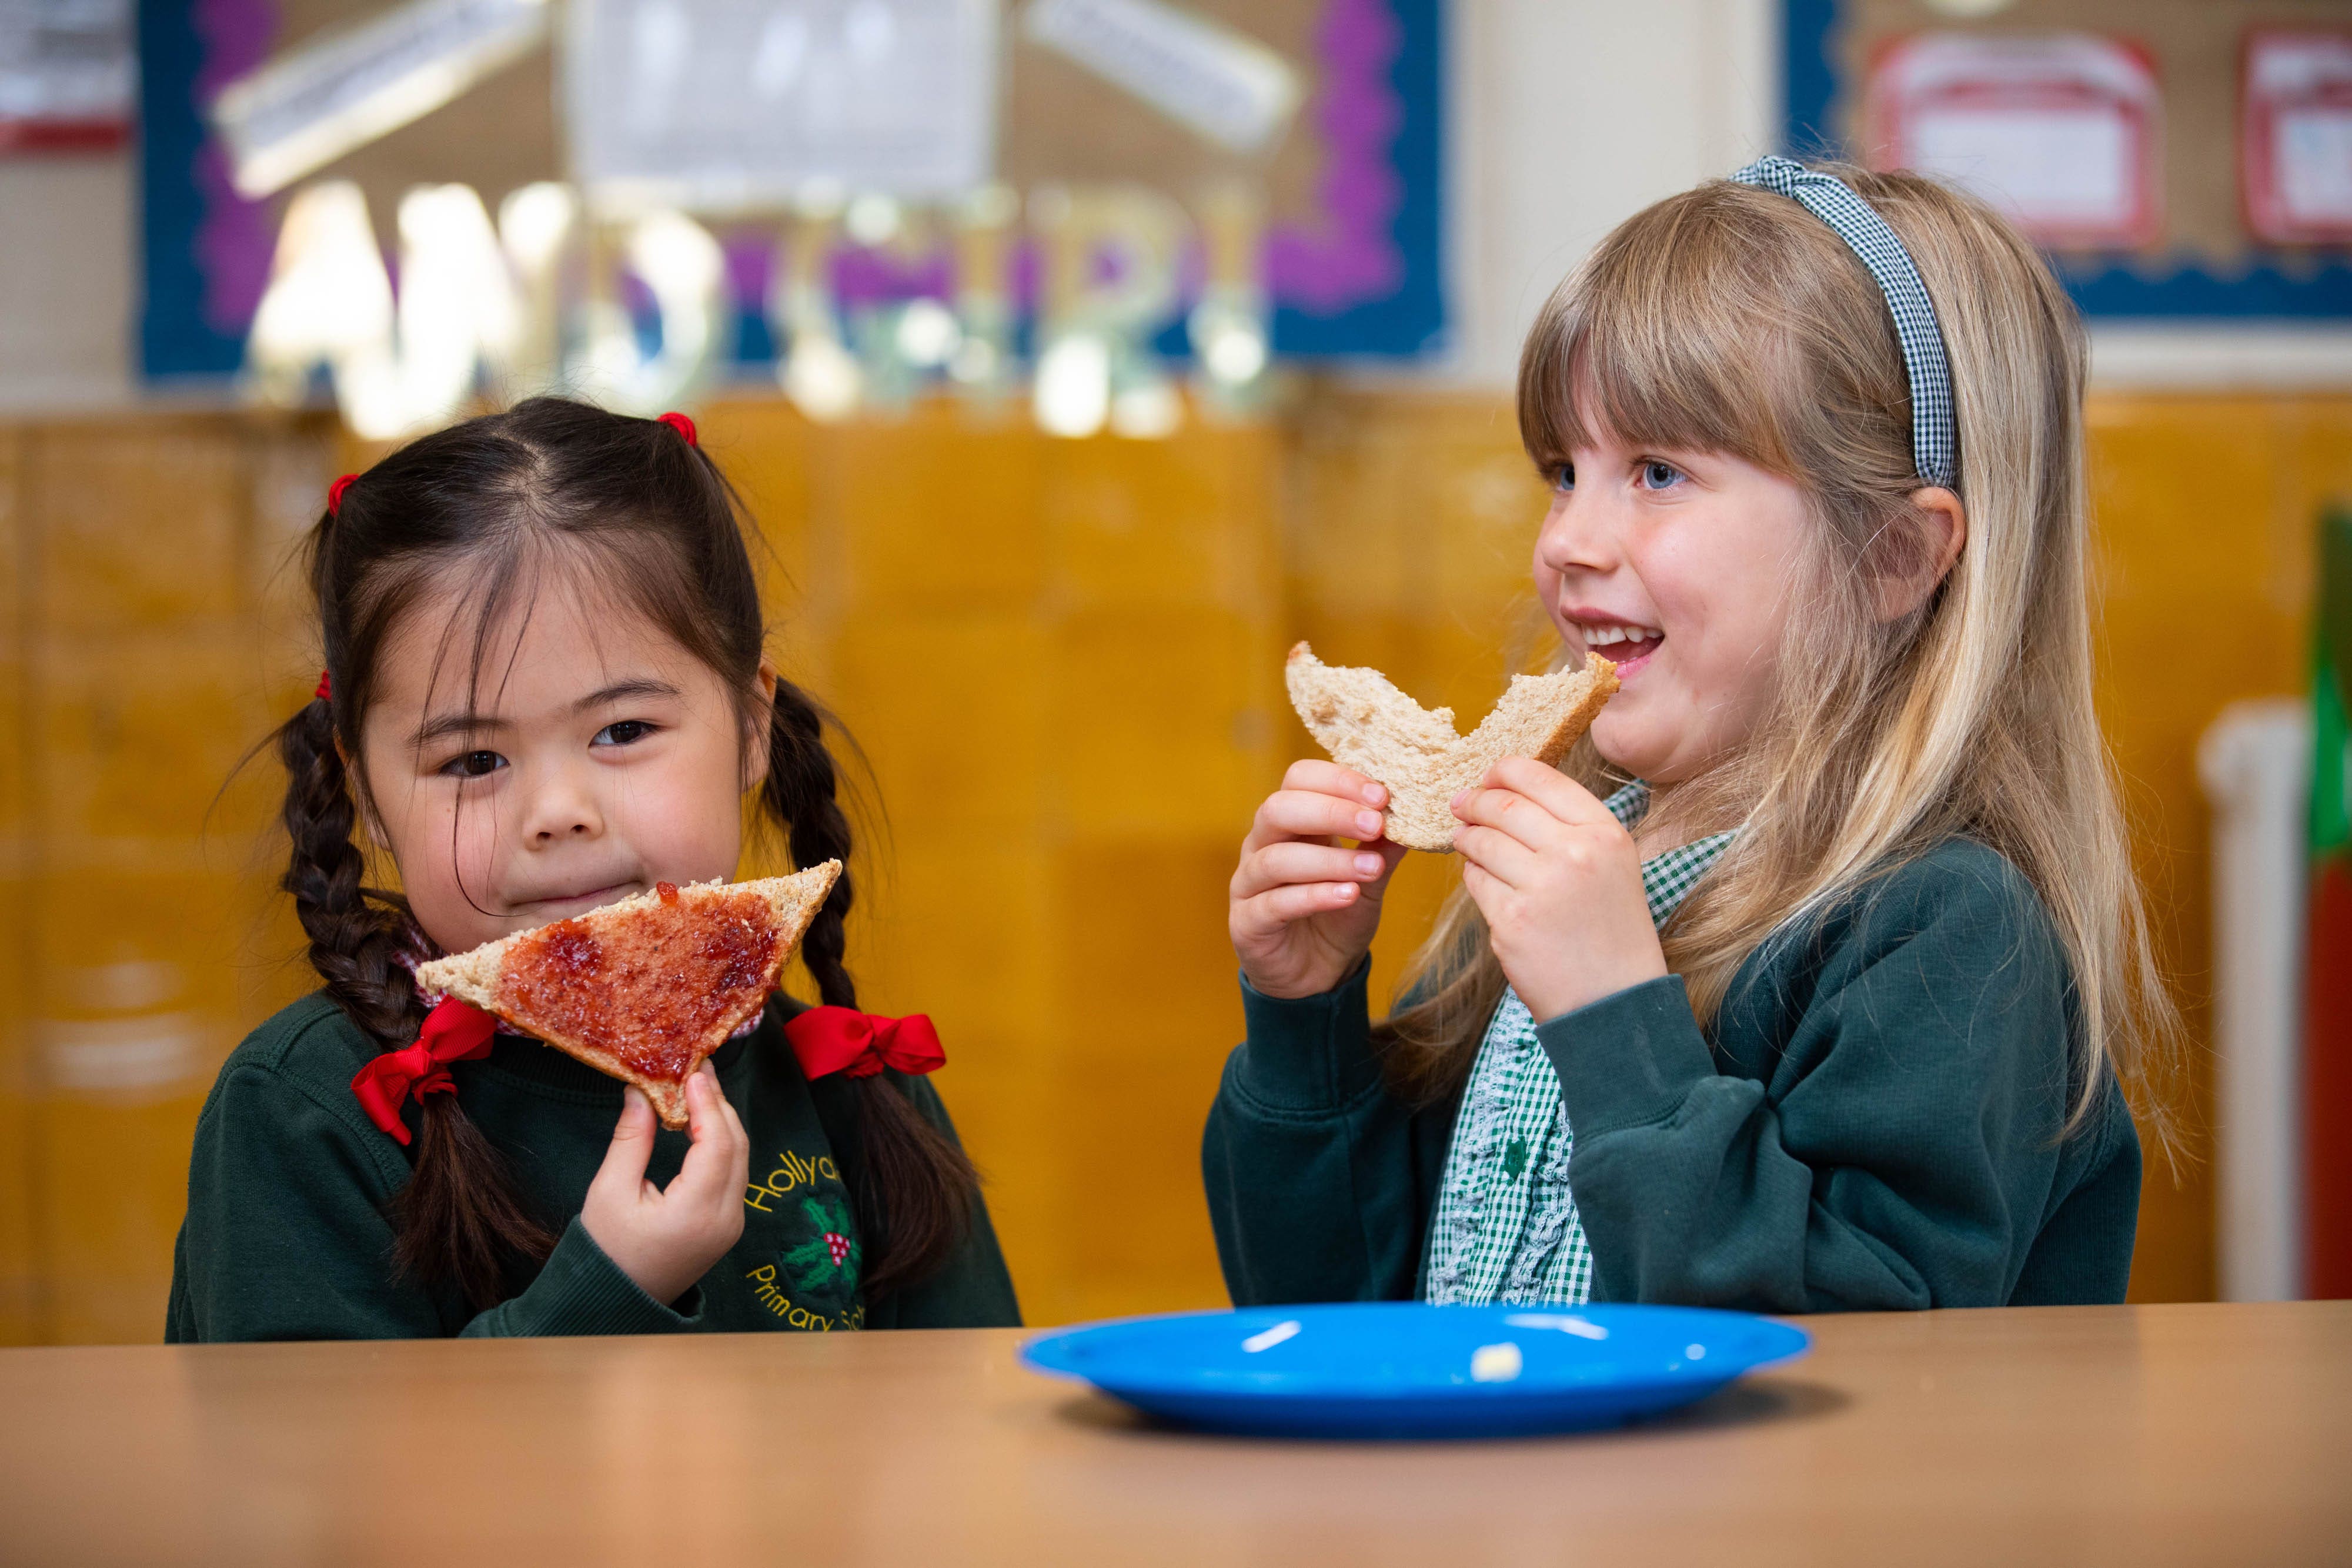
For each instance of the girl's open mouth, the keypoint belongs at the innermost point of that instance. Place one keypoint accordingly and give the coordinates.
(1627, 647)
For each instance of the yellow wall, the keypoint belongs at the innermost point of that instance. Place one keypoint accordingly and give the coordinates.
(142, 933)
(1061, 660)
(20, 1318)
(2208, 509)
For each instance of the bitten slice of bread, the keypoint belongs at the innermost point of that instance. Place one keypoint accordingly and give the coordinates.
(647, 988)
(1366, 724)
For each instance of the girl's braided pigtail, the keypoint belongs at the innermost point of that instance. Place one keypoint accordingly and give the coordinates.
(459, 1220)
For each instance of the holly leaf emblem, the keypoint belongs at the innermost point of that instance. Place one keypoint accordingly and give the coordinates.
(828, 1259)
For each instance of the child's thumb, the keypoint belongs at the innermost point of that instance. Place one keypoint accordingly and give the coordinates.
(633, 1143)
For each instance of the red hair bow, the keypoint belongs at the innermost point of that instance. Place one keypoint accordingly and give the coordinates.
(335, 495)
(682, 425)
(326, 692)
(454, 1031)
(843, 1039)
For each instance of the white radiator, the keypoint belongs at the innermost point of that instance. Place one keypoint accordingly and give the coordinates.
(2256, 765)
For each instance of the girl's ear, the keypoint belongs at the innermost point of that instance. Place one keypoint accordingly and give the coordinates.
(360, 797)
(755, 749)
(1944, 521)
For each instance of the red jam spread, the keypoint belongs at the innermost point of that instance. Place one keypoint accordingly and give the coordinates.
(666, 892)
(651, 987)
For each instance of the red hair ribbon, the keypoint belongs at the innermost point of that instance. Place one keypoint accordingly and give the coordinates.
(843, 1039)
(682, 425)
(335, 495)
(454, 1031)
(326, 692)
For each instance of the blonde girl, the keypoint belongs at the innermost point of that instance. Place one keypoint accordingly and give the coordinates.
(1810, 982)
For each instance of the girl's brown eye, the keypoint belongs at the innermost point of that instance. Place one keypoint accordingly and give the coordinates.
(475, 763)
(626, 733)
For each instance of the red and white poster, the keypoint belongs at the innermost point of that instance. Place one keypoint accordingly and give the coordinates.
(67, 74)
(2294, 136)
(2062, 132)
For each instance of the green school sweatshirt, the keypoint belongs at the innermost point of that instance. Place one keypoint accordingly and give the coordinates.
(285, 1235)
(1876, 1121)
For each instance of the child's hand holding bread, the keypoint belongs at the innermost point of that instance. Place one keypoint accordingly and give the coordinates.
(666, 1239)
(1559, 880)
(1304, 905)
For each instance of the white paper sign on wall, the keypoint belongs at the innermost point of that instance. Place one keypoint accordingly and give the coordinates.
(2062, 133)
(2295, 136)
(721, 106)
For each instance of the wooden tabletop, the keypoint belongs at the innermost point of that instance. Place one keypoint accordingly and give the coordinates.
(2138, 1435)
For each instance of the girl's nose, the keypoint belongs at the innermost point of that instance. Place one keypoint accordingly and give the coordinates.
(563, 808)
(1576, 537)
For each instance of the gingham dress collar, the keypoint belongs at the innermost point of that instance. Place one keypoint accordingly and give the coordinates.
(1507, 1228)
(1668, 877)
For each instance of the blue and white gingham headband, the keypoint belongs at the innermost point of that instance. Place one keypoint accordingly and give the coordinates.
(1933, 429)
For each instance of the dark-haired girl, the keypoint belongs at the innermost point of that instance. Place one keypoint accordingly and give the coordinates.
(547, 689)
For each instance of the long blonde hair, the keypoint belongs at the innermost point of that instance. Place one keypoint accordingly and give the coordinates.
(1731, 320)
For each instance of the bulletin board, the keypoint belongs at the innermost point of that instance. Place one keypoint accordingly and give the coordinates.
(1353, 251)
(2204, 262)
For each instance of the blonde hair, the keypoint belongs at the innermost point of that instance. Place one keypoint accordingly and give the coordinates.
(1731, 320)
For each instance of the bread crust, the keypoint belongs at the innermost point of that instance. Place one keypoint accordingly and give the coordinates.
(1359, 717)
(475, 976)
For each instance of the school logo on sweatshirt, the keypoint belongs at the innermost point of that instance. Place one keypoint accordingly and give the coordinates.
(792, 1173)
(776, 1297)
(813, 1282)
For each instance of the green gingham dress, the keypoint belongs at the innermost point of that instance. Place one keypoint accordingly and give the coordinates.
(1507, 1228)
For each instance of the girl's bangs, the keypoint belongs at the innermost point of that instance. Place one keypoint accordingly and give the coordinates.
(1647, 346)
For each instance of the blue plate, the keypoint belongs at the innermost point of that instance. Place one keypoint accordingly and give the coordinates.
(1403, 1369)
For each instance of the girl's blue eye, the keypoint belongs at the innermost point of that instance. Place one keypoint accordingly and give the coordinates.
(1563, 477)
(1659, 476)
(627, 732)
(475, 763)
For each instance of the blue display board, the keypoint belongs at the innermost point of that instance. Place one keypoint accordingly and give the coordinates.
(193, 316)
